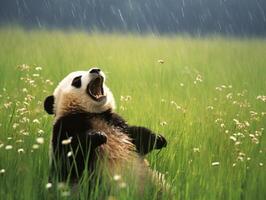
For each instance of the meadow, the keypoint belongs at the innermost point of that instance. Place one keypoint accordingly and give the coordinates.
(207, 96)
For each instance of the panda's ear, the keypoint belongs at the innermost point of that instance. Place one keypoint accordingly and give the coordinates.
(76, 82)
(49, 104)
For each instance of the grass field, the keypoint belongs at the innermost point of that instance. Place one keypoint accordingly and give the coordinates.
(205, 95)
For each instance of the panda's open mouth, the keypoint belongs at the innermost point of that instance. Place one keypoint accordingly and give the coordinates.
(95, 89)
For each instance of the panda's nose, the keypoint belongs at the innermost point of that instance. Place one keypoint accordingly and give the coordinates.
(95, 71)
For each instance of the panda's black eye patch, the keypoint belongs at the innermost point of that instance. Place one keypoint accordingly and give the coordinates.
(76, 82)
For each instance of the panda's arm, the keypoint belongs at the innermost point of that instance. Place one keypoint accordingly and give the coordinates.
(96, 138)
(90, 138)
(145, 140)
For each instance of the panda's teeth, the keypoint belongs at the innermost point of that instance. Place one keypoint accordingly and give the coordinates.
(95, 89)
(98, 96)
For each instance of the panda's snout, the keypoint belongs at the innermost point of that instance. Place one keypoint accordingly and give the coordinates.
(95, 71)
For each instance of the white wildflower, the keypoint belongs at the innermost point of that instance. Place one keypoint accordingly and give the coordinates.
(215, 163)
(199, 78)
(262, 98)
(161, 61)
(122, 108)
(26, 103)
(233, 138)
(229, 96)
(251, 135)
(35, 146)
(223, 86)
(48, 185)
(163, 123)
(35, 75)
(24, 133)
(209, 107)
(125, 98)
(21, 150)
(40, 140)
(15, 125)
(196, 150)
(69, 154)
(66, 141)
(9, 147)
(218, 120)
(7, 105)
(255, 140)
(36, 121)
(218, 88)
(117, 177)
(40, 131)
(49, 82)
(24, 67)
(128, 98)
(31, 82)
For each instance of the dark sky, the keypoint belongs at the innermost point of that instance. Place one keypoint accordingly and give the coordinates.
(238, 17)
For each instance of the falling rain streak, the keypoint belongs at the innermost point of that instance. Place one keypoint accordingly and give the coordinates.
(239, 17)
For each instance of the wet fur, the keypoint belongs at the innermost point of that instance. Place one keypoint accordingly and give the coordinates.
(118, 150)
(96, 133)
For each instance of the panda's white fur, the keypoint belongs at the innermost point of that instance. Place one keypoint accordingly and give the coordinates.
(68, 97)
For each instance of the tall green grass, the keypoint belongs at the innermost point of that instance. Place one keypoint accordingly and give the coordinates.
(205, 95)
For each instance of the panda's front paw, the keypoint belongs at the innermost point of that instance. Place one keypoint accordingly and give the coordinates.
(97, 138)
(160, 142)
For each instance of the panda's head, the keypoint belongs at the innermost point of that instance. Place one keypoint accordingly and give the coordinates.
(80, 91)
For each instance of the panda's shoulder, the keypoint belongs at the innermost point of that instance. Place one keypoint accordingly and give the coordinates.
(75, 121)
(114, 119)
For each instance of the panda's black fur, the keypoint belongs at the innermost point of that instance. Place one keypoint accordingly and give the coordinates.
(86, 134)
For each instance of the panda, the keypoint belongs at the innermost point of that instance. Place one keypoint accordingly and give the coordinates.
(87, 131)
